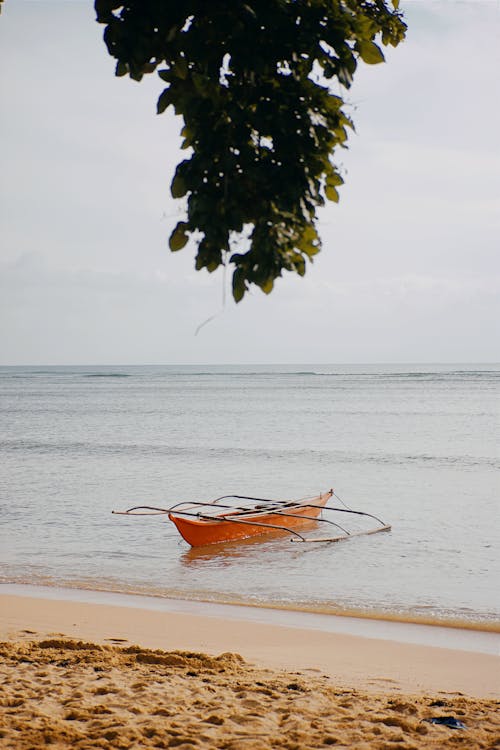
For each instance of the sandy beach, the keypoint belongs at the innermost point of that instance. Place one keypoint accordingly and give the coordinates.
(97, 675)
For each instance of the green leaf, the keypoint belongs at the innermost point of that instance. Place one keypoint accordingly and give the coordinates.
(188, 137)
(328, 69)
(310, 251)
(201, 84)
(308, 243)
(164, 101)
(308, 236)
(334, 179)
(301, 267)
(239, 286)
(181, 68)
(178, 187)
(345, 76)
(121, 69)
(267, 285)
(331, 193)
(369, 52)
(395, 4)
(179, 238)
(165, 75)
(212, 265)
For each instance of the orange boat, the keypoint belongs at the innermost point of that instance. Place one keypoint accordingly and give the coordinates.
(229, 526)
(234, 517)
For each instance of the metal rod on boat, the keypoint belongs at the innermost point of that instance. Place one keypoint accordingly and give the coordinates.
(265, 499)
(264, 511)
(348, 510)
(156, 511)
(204, 517)
(386, 527)
(279, 503)
(276, 510)
(159, 511)
(243, 509)
(273, 512)
(267, 511)
(307, 518)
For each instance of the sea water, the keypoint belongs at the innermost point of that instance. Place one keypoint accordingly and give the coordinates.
(415, 445)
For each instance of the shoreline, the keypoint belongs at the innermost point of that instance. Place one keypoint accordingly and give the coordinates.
(379, 657)
(61, 590)
(473, 639)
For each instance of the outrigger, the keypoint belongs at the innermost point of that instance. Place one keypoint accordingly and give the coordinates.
(241, 517)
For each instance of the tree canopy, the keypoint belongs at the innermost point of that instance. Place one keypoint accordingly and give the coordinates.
(253, 83)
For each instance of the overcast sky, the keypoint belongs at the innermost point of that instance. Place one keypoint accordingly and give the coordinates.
(410, 267)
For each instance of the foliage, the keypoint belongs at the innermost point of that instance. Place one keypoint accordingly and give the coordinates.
(252, 82)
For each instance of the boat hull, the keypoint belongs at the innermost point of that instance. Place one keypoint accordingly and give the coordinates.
(199, 533)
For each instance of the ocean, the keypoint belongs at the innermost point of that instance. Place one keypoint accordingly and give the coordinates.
(416, 445)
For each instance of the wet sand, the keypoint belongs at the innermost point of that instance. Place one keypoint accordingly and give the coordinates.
(93, 675)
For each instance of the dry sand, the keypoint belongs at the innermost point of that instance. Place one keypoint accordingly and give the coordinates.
(304, 689)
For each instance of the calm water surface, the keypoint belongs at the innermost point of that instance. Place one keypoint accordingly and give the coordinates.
(414, 444)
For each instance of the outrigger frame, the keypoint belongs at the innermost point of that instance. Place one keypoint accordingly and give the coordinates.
(280, 508)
